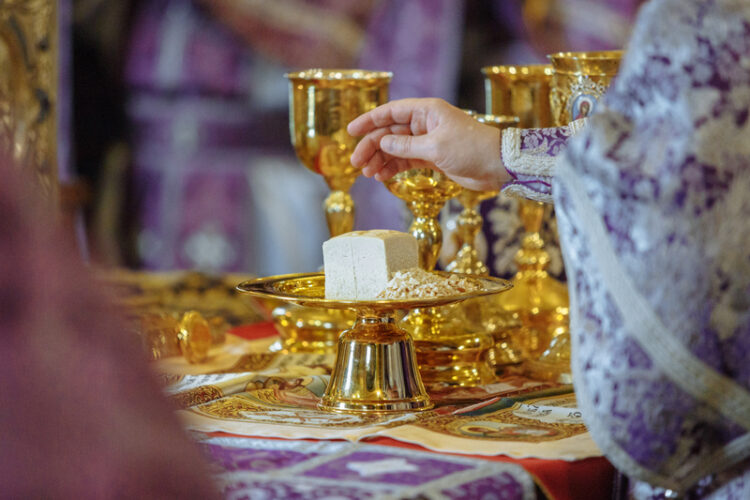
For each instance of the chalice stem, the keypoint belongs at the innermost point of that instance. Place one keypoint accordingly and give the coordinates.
(339, 208)
(469, 224)
(429, 237)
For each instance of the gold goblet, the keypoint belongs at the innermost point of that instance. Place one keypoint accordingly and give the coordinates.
(376, 367)
(322, 102)
(536, 309)
(521, 91)
(580, 79)
(449, 351)
(469, 221)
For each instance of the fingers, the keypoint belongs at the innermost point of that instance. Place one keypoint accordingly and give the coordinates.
(408, 146)
(410, 112)
(370, 144)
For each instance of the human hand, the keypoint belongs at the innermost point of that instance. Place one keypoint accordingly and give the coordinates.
(418, 133)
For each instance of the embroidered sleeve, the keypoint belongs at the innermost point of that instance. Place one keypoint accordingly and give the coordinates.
(529, 156)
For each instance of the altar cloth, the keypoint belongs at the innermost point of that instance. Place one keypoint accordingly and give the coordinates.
(252, 407)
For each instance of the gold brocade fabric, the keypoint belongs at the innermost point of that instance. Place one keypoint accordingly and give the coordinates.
(244, 389)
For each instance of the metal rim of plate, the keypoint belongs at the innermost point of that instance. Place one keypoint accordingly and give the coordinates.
(277, 287)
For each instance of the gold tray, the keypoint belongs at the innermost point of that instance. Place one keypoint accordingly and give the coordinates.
(308, 289)
(376, 367)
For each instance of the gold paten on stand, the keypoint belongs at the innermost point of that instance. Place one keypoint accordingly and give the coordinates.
(376, 366)
(322, 102)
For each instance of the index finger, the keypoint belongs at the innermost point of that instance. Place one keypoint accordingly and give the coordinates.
(400, 112)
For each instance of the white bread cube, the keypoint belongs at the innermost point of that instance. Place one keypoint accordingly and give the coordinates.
(358, 265)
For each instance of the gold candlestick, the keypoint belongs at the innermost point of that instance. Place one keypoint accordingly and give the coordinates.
(321, 104)
(537, 308)
(580, 79)
(469, 221)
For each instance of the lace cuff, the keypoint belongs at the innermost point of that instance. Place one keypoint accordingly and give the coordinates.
(529, 156)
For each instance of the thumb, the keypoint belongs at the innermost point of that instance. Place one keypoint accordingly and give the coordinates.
(407, 146)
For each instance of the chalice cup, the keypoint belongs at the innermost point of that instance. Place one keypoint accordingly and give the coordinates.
(425, 191)
(469, 221)
(579, 80)
(322, 102)
(524, 322)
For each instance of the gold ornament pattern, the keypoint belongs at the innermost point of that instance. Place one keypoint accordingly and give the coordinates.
(508, 425)
(197, 396)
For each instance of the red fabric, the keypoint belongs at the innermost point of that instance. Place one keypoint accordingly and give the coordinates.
(255, 331)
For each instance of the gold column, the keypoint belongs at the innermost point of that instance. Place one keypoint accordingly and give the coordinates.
(28, 87)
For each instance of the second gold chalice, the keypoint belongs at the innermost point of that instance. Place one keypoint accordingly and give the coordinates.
(425, 191)
(449, 352)
(524, 322)
(376, 366)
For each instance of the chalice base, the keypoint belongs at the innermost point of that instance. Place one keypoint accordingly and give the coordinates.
(449, 354)
(308, 329)
(554, 364)
(440, 367)
(375, 371)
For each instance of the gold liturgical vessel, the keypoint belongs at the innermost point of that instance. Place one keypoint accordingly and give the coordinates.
(536, 309)
(469, 221)
(376, 365)
(449, 352)
(322, 102)
(579, 80)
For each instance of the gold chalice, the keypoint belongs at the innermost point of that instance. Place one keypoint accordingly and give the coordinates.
(580, 79)
(321, 104)
(449, 351)
(521, 91)
(537, 307)
(469, 221)
(376, 366)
